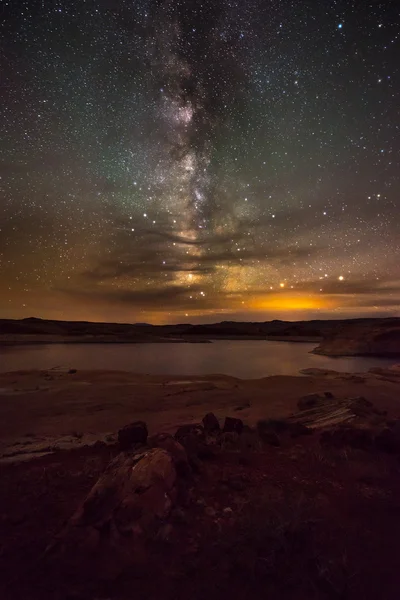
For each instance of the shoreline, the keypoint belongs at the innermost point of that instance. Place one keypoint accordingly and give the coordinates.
(198, 339)
(30, 340)
(50, 410)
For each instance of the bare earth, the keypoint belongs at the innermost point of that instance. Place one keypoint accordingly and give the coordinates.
(299, 520)
(42, 411)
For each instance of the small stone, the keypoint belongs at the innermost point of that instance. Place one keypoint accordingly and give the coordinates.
(193, 439)
(228, 511)
(329, 395)
(242, 407)
(72, 371)
(165, 532)
(134, 433)
(211, 423)
(233, 425)
(192, 429)
(210, 511)
(179, 516)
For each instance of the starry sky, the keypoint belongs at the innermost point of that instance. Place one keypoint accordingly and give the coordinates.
(199, 160)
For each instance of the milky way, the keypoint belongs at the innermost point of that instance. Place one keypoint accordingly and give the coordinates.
(202, 160)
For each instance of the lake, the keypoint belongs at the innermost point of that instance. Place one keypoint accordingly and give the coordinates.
(247, 359)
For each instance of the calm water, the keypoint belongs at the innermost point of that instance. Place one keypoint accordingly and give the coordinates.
(246, 359)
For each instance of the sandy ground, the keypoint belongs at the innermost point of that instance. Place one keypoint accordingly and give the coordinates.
(43, 411)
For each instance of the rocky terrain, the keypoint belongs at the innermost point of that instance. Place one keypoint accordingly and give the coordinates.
(378, 338)
(295, 508)
(58, 409)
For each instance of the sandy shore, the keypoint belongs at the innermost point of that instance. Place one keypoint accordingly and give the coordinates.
(42, 411)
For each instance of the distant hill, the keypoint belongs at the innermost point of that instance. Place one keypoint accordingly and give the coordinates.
(351, 336)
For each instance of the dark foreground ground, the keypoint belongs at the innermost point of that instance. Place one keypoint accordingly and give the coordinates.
(301, 521)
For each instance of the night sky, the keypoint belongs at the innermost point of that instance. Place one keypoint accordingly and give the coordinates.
(176, 161)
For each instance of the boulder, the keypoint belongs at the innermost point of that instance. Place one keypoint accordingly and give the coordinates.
(193, 439)
(361, 407)
(233, 425)
(131, 498)
(134, 433)
(312, 401)
(211, 423)
(174, 448)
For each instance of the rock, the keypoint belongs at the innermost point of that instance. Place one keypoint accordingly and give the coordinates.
(329, 395)
(227, 511)
(210, 511)
(134, 433)
(242, 407)
(72, 371)
(311, 401)
(362, 338)
(208, 451)
(193, 439)
(298, 429)
(174, 448)
(179, 517)
(211, 423)
(388, 441)
(233, 425)
(165, 532)
(193, 429)
(99, 444)
(361, 407)
(128, 500)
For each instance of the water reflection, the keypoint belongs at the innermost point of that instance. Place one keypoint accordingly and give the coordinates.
(245, 359)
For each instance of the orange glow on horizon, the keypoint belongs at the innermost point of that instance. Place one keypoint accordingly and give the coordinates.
(291, 302)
